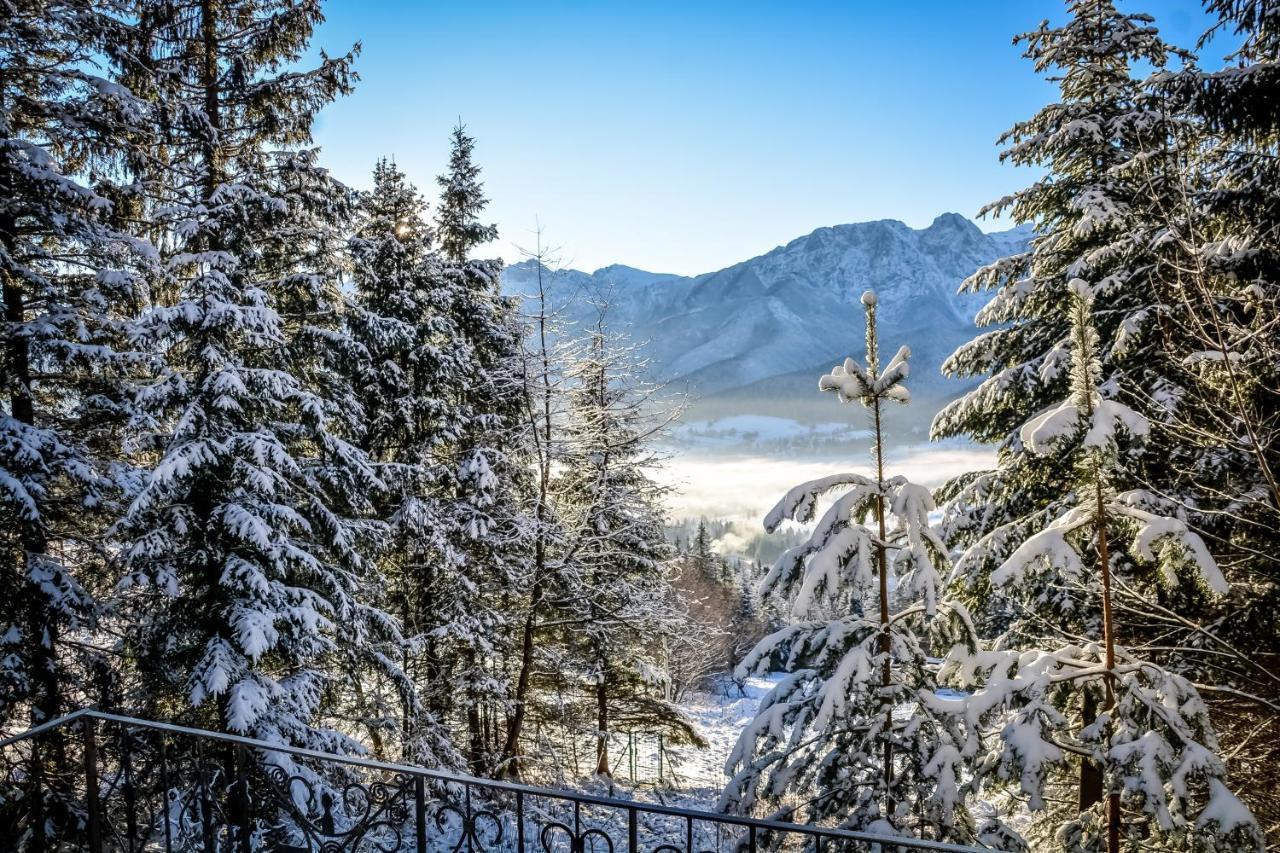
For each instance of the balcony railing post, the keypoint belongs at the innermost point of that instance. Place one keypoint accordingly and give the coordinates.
(243, 817)
(420, 813)
(130, 792)
(468, 821)
(164, 794)
(633, 831)
(519, 821)
(36, 795)
(206, 804)
(91, 786)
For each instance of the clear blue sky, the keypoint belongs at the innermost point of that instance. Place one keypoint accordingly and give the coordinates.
(684, 136)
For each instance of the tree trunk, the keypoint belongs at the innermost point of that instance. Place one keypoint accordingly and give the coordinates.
(511, 749)
(1090, 772)
(602, 724)
(886, 645)
(46, 701)
(475, 730)
(543, 420)
(1109, 641)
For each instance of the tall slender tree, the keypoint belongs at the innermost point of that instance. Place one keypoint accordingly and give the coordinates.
(71, 280)
(858, 726)
(462, 201)
(246, 544)
(613, 601)
(407, 364)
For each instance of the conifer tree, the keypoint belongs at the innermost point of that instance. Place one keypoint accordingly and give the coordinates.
(1213, 238)
(249, 586)
(409, 364)
(71, 282)
(858, 725)
(613, 604)
(1125, 206)
(483, 473)
(71, 279)
(462, 201)
(1144, 729)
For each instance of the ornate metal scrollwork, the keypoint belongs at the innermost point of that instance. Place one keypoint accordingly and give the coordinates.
(472, 828)
(373, 816)
(579, 842)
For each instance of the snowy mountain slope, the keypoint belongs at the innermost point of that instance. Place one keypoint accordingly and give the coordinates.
(794, 310)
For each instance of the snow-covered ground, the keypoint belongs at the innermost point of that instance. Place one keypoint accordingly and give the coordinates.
(720, 715)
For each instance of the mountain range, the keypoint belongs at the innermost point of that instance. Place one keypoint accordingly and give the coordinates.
(756, 336)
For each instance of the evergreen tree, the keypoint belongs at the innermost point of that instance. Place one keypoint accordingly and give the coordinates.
(1122, 209)
(249, 587)
(1150, 741)
(484, 477)
(462, 201)
(614, 602)
(410, 362)
(71, 282)
(1214, 239)
(858, 725)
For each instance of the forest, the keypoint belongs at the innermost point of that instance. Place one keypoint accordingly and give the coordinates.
(281, 459)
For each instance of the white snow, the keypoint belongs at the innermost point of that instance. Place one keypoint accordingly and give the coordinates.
(720, 714)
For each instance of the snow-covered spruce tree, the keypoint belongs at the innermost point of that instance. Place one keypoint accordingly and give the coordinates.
(1119, 208)
(252, 604)
(1084, 215)
(462, 201)
(1091, 217)
(1150, 737)
(1217, 246)
(613, 601)
(71, 279)
(857, 730)
(71, 282)
(408, 364)
(484, 475)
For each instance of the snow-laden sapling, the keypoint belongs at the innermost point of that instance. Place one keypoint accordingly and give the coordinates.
(1141, 733)
(857, 728)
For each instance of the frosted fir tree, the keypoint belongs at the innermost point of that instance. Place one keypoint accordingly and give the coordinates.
(857, 729)
(1139, 732)
(71, 280)
(1218, 240)
(462, 201)
(483, 470)
(252, 603)
(1141, 192)
(409, 362)
(1087, 222)
(613, 600)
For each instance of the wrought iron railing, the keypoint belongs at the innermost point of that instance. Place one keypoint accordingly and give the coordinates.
(101, 782)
